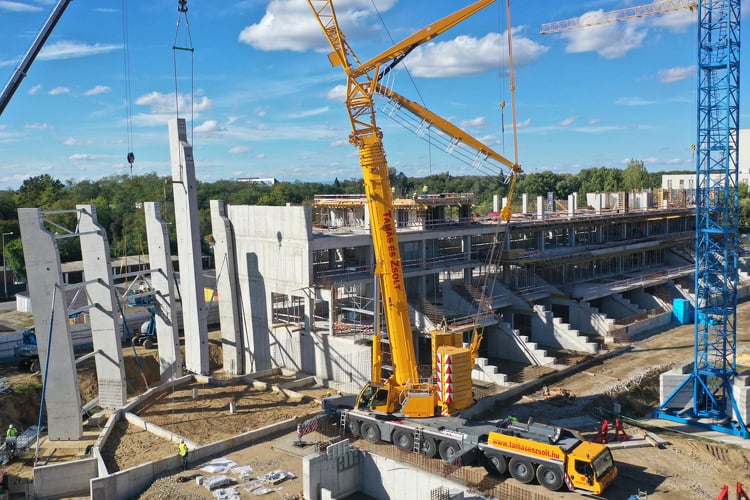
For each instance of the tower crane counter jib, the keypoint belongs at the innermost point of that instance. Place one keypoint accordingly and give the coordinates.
(402, 393)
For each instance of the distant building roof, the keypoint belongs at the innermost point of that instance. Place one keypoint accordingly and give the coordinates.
(259, 180)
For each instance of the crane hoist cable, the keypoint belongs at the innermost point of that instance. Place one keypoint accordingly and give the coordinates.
(387, 70)
(126, 59)
(182, 13)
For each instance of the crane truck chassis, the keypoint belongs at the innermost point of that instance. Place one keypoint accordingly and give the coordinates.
(555, 456)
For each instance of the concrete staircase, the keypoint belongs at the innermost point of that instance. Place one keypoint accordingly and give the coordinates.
(603, 324)
(562, 334)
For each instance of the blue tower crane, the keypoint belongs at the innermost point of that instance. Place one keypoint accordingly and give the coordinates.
(706, 396)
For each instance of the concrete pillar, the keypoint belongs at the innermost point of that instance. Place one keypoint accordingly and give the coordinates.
(467, 256)
(162, 282)
(539, 207)
(524, 203)
(505, 201)
(106, 324)
(44, 277)
(571, 205)
(496, 203)
(598, 202)
(225, 257)
(189, 249)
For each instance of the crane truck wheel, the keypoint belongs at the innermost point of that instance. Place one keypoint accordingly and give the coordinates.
(35, 366)
(429, 447)
(370, 432)
(495, 464)
(148, 344)
(521, 470)
(403, 439)
(354, 427)
(550, 477)
(447, 449)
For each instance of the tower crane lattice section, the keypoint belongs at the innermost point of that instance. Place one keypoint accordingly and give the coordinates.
(713, 401)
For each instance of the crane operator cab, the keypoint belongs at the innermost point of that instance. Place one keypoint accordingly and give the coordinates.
(372, 398)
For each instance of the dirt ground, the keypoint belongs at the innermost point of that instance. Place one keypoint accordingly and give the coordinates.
(688, 467)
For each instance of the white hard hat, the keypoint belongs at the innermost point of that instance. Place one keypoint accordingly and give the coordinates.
(10, 426)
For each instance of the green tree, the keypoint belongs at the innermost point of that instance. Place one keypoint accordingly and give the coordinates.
(635, 176)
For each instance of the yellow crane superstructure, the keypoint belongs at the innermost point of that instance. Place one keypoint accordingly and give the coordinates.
(403, 392)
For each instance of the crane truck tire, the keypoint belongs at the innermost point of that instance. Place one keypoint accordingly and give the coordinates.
(521, 469)
(403, 439)
(148, 344)
(495, 464)
(429, 447)
(447, 449)
(35, 366)
(370, 432)
(354, 427)
(550, 477)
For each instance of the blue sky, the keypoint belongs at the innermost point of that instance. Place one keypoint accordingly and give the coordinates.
(261, 99)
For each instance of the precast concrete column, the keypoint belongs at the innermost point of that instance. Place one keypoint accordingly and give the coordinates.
(106, 324)
(188, 247)
(44, 277)
(225, 256)
(539, 207)
(524, 203)
(165, 303)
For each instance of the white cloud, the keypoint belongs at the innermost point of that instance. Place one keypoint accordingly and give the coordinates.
(59, 90)
(37, 126)
(237, 150)
(611, 40)
(633, 101)
(567, 122)
(593, 121)
(675, 74)
(290, 25)
(208, 127)
(260, 156)
(309, 112)
(83, 157)
(69, 50)
(35, 89)
(18, 7)
(524, 124)
(71, 141)
(165, 103)
(337, 93)
(467, 55)
(479, 121)
(99, 89)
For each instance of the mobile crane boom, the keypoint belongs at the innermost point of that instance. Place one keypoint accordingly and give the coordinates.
(402, 393)
(28, 59)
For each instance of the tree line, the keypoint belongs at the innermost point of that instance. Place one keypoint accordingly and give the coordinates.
(119, 200)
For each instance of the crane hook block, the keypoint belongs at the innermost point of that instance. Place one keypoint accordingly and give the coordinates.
(183, 6)
(131, 158)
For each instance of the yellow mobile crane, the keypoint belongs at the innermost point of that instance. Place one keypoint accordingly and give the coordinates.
(402, 393)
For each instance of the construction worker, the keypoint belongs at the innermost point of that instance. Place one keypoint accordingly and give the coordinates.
(10, 438)
(184, 454)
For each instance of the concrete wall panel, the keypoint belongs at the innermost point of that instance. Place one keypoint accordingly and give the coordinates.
(65, 479)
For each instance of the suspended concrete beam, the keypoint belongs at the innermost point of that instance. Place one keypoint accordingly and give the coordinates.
(189, 249)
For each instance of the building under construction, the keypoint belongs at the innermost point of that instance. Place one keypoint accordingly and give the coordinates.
(558, 278)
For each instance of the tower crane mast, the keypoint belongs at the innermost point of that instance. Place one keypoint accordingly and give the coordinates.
(713, 400)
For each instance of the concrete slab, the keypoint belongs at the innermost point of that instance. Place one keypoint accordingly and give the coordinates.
(694, 430)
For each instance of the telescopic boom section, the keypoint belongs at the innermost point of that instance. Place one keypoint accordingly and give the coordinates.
(20, 73)
(362, 82)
